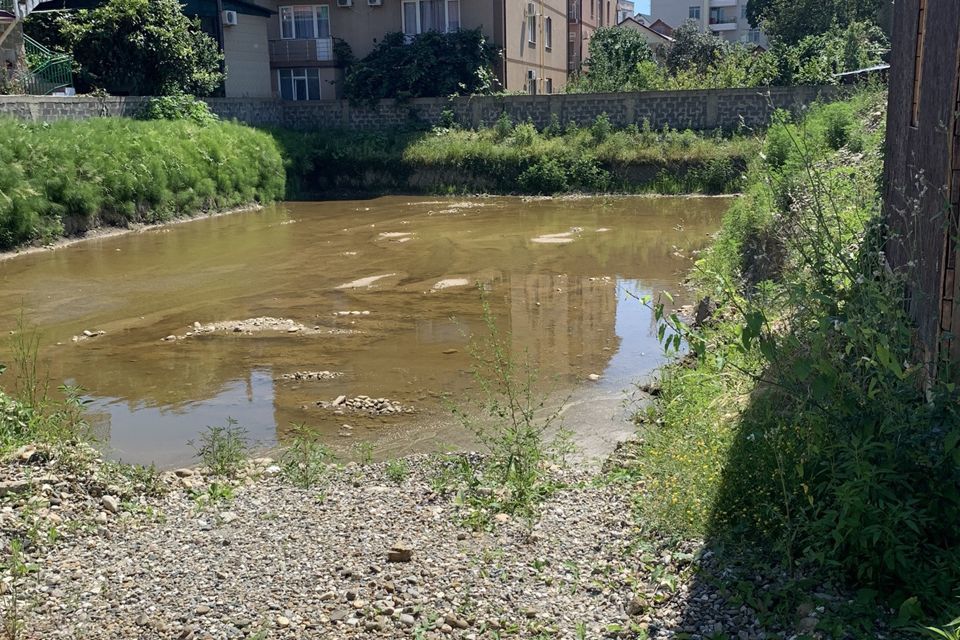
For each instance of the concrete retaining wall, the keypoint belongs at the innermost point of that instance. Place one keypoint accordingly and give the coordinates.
(696, 109)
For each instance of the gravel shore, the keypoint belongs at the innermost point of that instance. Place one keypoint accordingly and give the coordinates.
(364, 554)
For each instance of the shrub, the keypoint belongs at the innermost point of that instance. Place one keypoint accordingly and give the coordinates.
(524, 135)
(546, 176)
(178, 107)
(601, 128)
(223, 450)
(431, 64)
(838, 120)
(503, 127)
(141, 47)
(304, 462)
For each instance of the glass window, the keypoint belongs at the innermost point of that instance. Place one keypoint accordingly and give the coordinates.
(695, 13)
(548, 33)
(531, 23)
(305, 22)
(743, 11)
(286, 84)
(299, 84)
(549, 85)
(410, 26)
(286, 23)
(453, 15)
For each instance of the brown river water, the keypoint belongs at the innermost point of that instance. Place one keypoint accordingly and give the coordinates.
(561, 276)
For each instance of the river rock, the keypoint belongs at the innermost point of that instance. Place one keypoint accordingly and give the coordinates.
(111, 503)
(400, 552)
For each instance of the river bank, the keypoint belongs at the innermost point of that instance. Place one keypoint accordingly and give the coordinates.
(368, 551)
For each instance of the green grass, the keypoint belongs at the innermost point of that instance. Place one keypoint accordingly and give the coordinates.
(510, 158)
(70, 176)
(802, 427)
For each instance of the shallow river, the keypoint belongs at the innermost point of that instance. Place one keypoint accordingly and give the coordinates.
(561, 276)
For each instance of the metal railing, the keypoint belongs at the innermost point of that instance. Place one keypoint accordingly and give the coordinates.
(49, 70)
(301, 51)
(7, 8)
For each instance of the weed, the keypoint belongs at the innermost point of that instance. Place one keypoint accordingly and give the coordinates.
(514, 424)
(305, 461)
(398, 470)
(364, 451)
(223, 450)
(949, 632)
(18, 568)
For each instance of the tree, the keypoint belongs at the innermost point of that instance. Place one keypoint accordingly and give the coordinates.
(693, 49)
(432, 64)
(790, 21)
(141, 47)
(614, 55)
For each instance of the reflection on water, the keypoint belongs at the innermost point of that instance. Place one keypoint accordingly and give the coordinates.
(566, 305)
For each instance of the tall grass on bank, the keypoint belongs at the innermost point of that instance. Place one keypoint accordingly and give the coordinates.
(62, 178)
(514, 158)
(803, 425)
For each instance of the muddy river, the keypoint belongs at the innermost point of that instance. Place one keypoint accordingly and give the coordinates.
(378, 296)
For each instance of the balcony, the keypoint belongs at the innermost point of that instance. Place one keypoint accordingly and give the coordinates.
(573, 11)
(7, 10)
(285, 53)
(723, 24)
(723, 3)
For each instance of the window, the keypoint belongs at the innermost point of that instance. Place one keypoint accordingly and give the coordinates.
(694, 13)
(420, 16)
(531, 82)
(753, 35)
(743, 11)
(305, 22)
(548, 33)
(549, 85)
(719, 16)
(299, 84)
(531, 23)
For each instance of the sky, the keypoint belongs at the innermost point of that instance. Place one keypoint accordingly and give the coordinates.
(643, 6)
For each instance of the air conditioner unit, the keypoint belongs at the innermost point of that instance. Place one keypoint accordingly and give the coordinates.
(230, 18)
(531, 74)
(344, 3)
(531, 9)
(375, 3)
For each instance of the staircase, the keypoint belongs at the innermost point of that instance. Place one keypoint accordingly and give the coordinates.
(50, 72)
(46, 71)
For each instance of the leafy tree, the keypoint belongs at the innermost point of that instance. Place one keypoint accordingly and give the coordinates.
(790, 21)
(615, 53)
(140, 47)
(432, 64)
(693, 48)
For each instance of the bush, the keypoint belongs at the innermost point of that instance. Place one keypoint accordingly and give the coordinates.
(431, 64)
(807, 423)
(141, 47)
(77, 175)
(546, 176)
(223, 450)
(178, 107)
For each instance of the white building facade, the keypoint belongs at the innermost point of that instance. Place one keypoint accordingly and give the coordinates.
(724, 18)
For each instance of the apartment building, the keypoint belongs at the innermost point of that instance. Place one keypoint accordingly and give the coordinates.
(583, 18)
(625, 9)
(302, 59)
(724, 18)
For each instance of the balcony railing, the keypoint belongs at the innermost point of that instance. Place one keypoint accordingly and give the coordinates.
(7, 9)
(301, 51)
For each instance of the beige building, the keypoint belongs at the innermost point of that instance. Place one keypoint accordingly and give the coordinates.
(724, 18)
(302, 64)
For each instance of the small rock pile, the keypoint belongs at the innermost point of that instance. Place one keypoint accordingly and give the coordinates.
(365, 404)
(303, 376)
(87, 335)
(247, 327)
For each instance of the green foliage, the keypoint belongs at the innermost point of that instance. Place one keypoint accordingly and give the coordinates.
(305, 460)
(512, 420)
(803, 421)
(431, 64)
(140, 47)
(614, 55)
(949, 632)
(222, 449)
(513, 159)
(71, 176)
(178, 107)
(701, 60)
(790, 21)
(397, 471)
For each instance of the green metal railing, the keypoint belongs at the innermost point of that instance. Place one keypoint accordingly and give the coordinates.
(49, 70)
